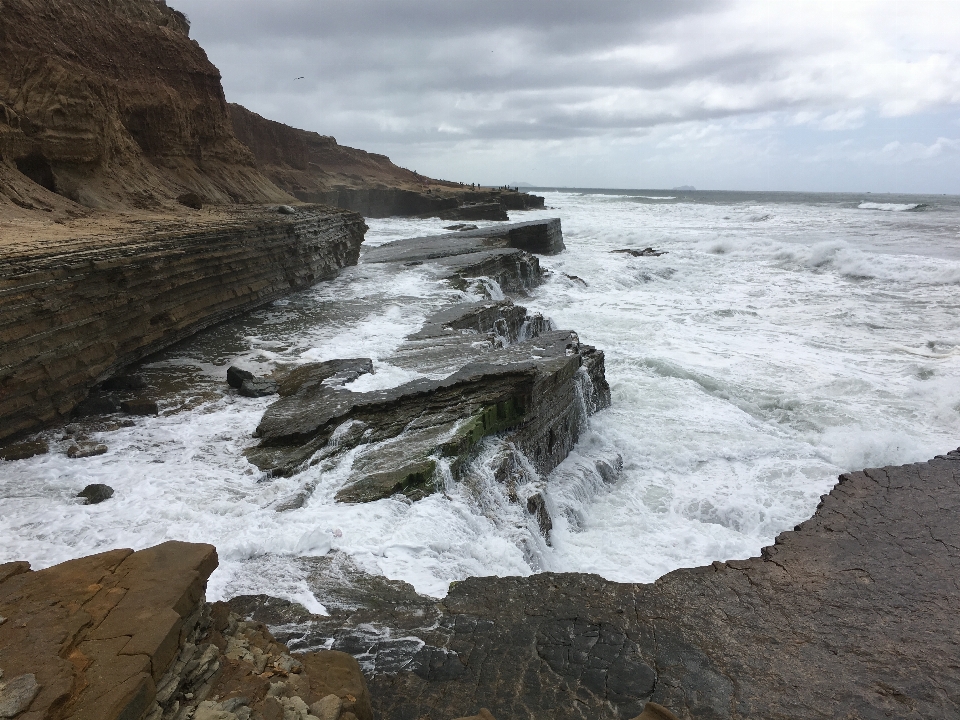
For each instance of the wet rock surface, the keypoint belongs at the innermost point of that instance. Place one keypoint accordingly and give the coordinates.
(96, 493)
(24, 450)
(849, 615)
(502, 371)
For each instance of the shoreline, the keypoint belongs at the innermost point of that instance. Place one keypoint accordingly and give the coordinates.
(79, 310)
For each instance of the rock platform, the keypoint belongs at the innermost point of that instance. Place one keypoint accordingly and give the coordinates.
(491, 369)
(78, 309)
(850, 615)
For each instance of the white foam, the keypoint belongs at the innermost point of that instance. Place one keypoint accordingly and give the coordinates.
(889, 207)
(750, 365)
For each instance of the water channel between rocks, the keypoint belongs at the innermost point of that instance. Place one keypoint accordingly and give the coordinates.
(779, 342)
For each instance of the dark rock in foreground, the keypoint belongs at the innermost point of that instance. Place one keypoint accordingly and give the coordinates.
(258, 387)
(236, 376)
(96, 493)
(24, 450)
(851, 615)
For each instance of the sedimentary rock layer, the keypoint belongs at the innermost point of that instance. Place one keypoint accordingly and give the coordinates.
(109, 103)
(850, 615)
(127, 635)
(73, 313)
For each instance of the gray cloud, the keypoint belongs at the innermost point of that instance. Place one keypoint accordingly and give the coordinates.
(388, 73)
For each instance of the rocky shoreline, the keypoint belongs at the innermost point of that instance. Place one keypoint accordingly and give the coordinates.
(76, 312)
(848, 615)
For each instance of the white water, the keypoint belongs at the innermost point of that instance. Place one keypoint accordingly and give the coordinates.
(780, 342)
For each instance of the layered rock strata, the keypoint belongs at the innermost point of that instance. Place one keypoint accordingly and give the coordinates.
(110, 104)
(499, 372)
(851, 614)
(76, 311)
(127, 635)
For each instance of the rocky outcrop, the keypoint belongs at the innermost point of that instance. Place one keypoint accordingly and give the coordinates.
(127, 635)
(851, 614)
(76, 311)
(122, 110)
(504, 373)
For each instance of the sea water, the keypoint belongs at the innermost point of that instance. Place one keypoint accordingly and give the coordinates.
(781, 340)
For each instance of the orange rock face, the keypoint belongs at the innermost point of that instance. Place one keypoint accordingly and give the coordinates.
(98, 632)
(109, 103)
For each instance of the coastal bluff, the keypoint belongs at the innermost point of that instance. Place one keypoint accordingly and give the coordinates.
(77, 307)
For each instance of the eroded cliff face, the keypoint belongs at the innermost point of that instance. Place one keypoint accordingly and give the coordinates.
(110, 104)
(315, 168)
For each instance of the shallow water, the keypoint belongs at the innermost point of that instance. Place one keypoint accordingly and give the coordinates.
(782, 340)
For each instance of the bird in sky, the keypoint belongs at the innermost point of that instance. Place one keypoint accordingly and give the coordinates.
(299, 78)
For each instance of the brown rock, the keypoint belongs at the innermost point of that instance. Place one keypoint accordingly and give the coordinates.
(85, 450)
(140, 407)
(652, 711)
(24, 450)
(336, 673)
(98, 632)
(190, 200)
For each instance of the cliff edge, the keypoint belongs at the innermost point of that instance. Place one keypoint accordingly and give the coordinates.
(110, 104)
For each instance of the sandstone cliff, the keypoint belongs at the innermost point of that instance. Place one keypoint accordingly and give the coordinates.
(110, 104)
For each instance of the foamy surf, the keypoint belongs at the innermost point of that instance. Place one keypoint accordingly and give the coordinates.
(890, 207)
(750, 365)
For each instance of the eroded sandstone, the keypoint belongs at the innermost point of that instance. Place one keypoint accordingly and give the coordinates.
(73, 313)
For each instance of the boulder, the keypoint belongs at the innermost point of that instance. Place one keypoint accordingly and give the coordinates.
(310, 374)
(85, 450)
(236, 376)
(17, 693)
(96, 493)
(258, 387)
(190, 200)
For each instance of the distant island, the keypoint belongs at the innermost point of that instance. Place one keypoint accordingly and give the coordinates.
(686, 188)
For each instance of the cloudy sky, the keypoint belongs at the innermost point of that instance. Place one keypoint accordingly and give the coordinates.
(720, 94)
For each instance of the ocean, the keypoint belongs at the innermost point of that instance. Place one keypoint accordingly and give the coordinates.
(780, 340)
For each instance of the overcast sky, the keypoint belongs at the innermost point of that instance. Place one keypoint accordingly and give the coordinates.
(719, 94)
